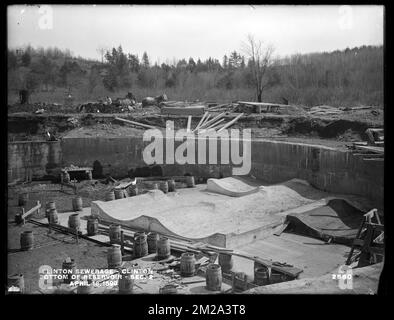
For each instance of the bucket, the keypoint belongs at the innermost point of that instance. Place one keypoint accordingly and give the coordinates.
(109, 196)
(77, 204)
(114, 233)
(140, 245)
(52, 216)
(163, 186)
(74, 222)
(226, 262)
(92, 226)
(190, 181)
(114, 256)
(152, 242)
(214, 277)
(125, 283)
(261, 276)
(276, 277)
(119, 193)
(68, 266)
(22, 199)
(15, 282)
(163, 248)
(27, 240)
(188, 264)
(171, 185)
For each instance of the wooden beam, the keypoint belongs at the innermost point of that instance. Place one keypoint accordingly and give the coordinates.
(135, 123)
(189, 123)
(34, 209)
(212, 120)
(228, 124)
(201, 120)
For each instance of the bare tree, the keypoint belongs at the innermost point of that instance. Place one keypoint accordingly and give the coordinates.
(260, 57)
(101, 50)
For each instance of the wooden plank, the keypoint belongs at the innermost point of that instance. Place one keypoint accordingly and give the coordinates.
(204, 126)
(231, 122)
(263, 104)
(371, 148)
(201, 121)
(34, 209)
(135, 123)
(186, 111)
(189, 123)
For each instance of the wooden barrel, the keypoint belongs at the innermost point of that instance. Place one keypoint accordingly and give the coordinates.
(114, 233)
(22, 199)
(77, 204)
(125, 283)
(140, 246)
(188, 264)
(74, 222)
(163, 248)
(92, 226)
(69, 265)
(261, 276)
(190, 181)
(226, 262)
(214, 277)
(50, 205)
(163, 186)
(52, 216)
(133, 191)
(171, 185)
(119, 193)
(109, 196)
(152, 242)
(66, 177)
(114, 256)
(276, 277)
(14, 282)
(27, 240)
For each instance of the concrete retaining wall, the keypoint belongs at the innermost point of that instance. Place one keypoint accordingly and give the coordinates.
(325, 168)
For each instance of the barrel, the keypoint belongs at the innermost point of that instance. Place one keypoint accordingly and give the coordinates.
(261, 276)
(68, 265)
(239, 281)
(133, 191)
(27, 240)
(190, 181)
(151, 185)
(214, 277)
(74, 222)
(152, 242)
(92, 226)
(114, 256)
(163, 186)
(163, 248)
(109, 196)
(77, 204)
(114, 233)
(52, 216)
(66, 177)
(119, 193)
(140, 246)
(188, 264)
(85, 288)
(50, 205)
(171, 185)
(226, 262)
(22, 199)
(276, 277)
(125, 283)
(15, 282)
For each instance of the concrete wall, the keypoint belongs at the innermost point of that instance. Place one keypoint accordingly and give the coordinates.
(325, 168)
(33, 159)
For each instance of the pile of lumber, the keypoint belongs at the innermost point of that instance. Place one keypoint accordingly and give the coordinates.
(213, 123)
(259, 107)
(324, 110)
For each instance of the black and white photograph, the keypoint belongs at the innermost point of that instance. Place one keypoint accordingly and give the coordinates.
(195, 150)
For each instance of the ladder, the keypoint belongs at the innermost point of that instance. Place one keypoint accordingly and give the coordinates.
(371, 246)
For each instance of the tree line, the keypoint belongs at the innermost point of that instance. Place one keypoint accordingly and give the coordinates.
(343, 76)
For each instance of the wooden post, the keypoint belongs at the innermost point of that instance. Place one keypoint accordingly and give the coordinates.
(121, 242)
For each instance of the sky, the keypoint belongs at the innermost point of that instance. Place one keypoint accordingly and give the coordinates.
(171, 32)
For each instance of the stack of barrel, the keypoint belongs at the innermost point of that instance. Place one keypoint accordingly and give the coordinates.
(51, 212)
(119, 193)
